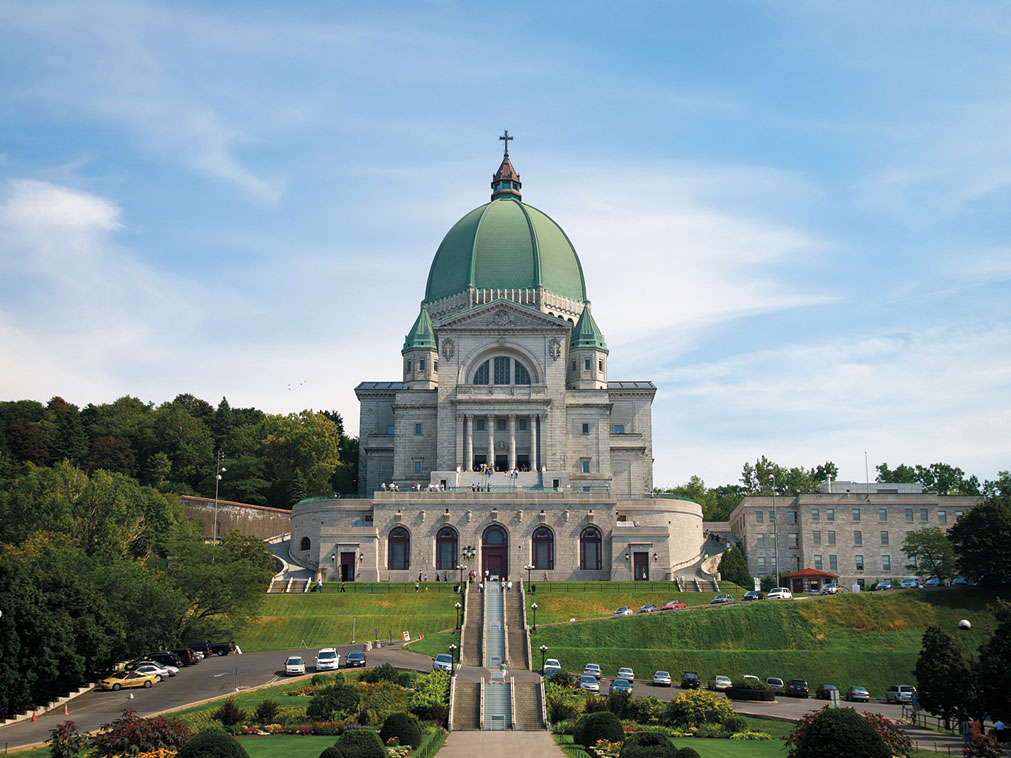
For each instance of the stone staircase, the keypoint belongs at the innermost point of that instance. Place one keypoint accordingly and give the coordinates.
(528, 706)
(497, 707)
(470, 655)
(466, 707)
(494, 626)
(278, 585)
(516, 630)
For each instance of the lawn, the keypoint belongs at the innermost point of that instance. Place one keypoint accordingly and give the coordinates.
(713, 748)
(286, 747)
(869, 639)
(560, 601)
(318, 619)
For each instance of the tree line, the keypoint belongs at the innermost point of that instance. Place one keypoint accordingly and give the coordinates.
(270, 459)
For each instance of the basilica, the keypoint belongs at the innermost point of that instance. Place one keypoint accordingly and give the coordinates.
(503, 447)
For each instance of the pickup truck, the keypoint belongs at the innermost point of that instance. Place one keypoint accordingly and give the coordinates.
(212, 648)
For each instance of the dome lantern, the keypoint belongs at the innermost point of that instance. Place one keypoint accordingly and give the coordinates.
(506, 182)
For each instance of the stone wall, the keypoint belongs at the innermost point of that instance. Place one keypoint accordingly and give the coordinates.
(254, 520)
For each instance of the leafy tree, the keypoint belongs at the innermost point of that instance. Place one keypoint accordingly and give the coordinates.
(222, 424)
(733, 568)
(112, 453)
(67, 439)
(945, 680)
(933, 552)
(305, 445)
(995, 665)
(982, 540)
(330, 702)
(187, 442)
(593, 727)
(941, 478)
(27, 442)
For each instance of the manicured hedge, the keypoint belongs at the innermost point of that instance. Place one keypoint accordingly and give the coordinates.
(737, 693)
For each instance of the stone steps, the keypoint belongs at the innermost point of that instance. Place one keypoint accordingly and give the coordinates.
(467, 707)
(515, 631)
(528, 707)
(497, 707)
(471, 654)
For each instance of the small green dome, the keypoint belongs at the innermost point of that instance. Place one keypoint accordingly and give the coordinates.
(506, 244)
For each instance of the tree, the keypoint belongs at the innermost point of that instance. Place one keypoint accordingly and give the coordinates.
(941, 478)
(945, 680)
(67, 439)
(27, 442)
(995, 665)
(733, 568)
(932, 552)
(112, 454)
(303, 444)
(982, 540)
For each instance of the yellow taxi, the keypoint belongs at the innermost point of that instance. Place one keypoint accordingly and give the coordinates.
(126, 679)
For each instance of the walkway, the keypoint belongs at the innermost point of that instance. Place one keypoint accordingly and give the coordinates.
(499, 745)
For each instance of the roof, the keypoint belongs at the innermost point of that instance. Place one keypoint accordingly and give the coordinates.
(812, 573)
(421, 336)
(586, 333)
(379, 386)
(631, 386)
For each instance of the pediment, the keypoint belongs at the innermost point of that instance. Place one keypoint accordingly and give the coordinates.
(502, 315)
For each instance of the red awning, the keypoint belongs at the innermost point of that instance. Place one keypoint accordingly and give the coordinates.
(811, 574)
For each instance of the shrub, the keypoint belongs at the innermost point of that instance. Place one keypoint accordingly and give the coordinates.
(647, 745)
(564, 703)
(131, 734)
(983, 747)
(594, 703)
(380, 700)
(212, 743)
(402, 726)
(695, 708)
(687, 752)
(229, 713)
(266, 712)
(429, 690)
(331, 752)
(898, 741)
(65, 741)
(436, 713)
(594, 727)
(617, 703)
(331, 703)
(762, 695)
(563, 679)
(386, 673)
(749, 684)
(735, 724)
(645, 710)
(360, 743)
(836, 731)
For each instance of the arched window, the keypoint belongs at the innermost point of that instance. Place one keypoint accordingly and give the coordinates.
(305, 544)
(445, 548)
(502, 370)
(522, 375)
(544, 548)
(495, 535)
(399, 552)
(589, 549)
(481, 375)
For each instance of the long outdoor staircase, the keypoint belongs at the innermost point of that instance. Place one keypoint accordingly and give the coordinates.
(470, 653)
(497, 707)
(528, 706)
(515, 630)
(494, 623)
(467, 707)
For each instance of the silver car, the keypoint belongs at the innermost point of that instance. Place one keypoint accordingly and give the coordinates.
(626, 673)
(661, 679)
(589, 682)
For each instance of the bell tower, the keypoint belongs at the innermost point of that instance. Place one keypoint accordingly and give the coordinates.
(421, 357)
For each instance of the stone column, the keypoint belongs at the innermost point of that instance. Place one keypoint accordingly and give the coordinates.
(468, 444)
(542, 422)
(512, 441)
(490, 423)
(460, 434)
(532, 423)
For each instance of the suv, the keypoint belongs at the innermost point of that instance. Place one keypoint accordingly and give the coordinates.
(328, 659)
(775, 684)
(900, 693)
(779, 593)
(751, 595)
(797, 688)
(166, 658)
(187, 656)
(690, 681)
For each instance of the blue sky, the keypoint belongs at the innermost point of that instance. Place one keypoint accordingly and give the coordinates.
(791, 216)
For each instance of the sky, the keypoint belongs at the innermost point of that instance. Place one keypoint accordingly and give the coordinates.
(792, 217)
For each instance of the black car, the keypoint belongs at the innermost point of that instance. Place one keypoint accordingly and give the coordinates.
(354, 659)
(690, 681)
(797, 688)
(212, 648)
(752, 595)
(824, 691)
(200, 647)
(166, 658)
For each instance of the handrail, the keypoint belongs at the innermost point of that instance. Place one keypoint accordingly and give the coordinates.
(544, 707)
(465, 598)
(512, 702)
(484, 624)
(526, 627)
(480, 712)
(505, 629)
(452, 701)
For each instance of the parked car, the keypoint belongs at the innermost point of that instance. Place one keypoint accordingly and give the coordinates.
(858, 695)
(328, 659)
(203, 647)
(824, 691)
(354, 659)
(661, 679)
(551, 667)
(186, 656)
(593, 669)
(443, 662)
(720, 683)
(721, 600)
(160, 672)
(673, 605)
(909, 584)
(648, 608)
(932, 582)
(960, 581)
(122, 680)
(797, 688)
(294, 666)
(779, 593)
(626, 673)
(167, 658)
(620, 685)
(752, 595)
(589, 682)
(900, 693)
(884, 584)
(751, 679)
(775, 684)
(209, 648)
(623, 611)
(690, 681)
(831, 589)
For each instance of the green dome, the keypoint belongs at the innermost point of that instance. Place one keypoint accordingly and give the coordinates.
(506, 244)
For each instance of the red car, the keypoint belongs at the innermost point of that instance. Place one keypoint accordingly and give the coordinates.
(673, 605)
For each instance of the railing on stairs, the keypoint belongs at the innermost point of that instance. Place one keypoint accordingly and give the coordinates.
(452, 700)
(465, 599)
(480, 710)
(526, 627)
(544, 707)
(512, 701)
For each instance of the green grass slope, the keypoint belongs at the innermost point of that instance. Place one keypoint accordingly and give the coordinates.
(560, 601)
(868, 640)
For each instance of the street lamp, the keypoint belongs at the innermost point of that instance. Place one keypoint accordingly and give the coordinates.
(460, 567)
(544, 650)
(219, 458)
(529, 567)
(468, 553)
(775, 520)
(458, 607)
(452, 654)
(533, 607)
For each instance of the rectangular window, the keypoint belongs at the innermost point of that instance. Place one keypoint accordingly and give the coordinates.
(586, 364)
(796, 563)
(586, 428)
(772, 565)
(421, 364)
(585, 465)
(573, 367)
(409, 365)
(761, 565)
(435, 366)
(859, 562)
(391, 429)
(830, 514)
(833, 563)
(958, 515)
(502, 370)
(884, 538)
(772, 517)
(816, 537)
(417, 467)
(417, 428)
(923, 514)
(942, 517)
(479, 425)
(500, 424)
(619, 428)
(831, 538)
(882, 514)
(791, 517)
(858, 538)
(911, 561)
(794, 540)
(523, 424)
(759, 517)
(815, 514)
(886, 563)
(909, 514)
(817, 563)
(600, 366)
(760, 540)
(856, 514)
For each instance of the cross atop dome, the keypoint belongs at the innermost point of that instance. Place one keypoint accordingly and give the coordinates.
(506, 182)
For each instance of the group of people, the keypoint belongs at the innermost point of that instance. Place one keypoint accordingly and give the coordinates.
(392, 487)
(416, 487)
(973, 729)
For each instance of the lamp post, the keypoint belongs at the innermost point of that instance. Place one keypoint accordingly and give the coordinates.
(452, 654)
(468, 553)
(460, 567)
(544, 650)
(458, 607)
(775, 520)
(219, 458)
(533, 607)
(529, 567)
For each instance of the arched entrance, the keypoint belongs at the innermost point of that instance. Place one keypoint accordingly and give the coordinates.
(495, 551)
